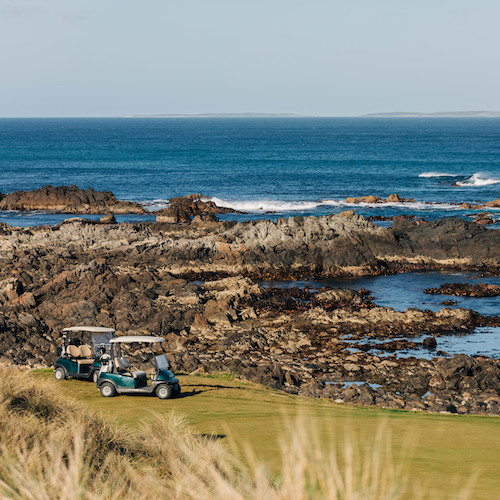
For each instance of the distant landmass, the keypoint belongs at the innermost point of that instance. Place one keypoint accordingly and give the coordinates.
(220, 115)
(439, 114)
(398, 114)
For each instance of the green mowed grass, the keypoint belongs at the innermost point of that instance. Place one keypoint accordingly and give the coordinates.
(438, 451)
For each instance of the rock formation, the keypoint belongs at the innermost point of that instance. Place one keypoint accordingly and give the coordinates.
(493, 204)
(448, 239)
(393, 198)
(182, 209)
(68, 199)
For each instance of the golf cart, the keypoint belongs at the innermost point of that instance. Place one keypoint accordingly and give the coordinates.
(117, 376)
(77, 359)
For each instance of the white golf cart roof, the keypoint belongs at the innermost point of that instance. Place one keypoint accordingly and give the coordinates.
(136, 338)
(91, 329)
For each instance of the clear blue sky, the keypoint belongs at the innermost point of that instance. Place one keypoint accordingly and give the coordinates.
(320, 57)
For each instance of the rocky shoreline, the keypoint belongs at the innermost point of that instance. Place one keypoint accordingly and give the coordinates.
(196, 284)
(68, 200)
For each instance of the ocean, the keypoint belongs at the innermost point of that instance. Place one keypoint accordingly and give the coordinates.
(268, 167)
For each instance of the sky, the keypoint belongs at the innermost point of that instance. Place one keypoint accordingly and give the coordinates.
(312, 57)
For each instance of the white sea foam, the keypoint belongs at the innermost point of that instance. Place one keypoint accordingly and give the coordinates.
(414, 205)
(266, 205)
(479, 179)
(259, 206)
(156, 204)
(437, 174)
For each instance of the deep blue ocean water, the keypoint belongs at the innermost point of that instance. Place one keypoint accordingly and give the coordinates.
(286, 165)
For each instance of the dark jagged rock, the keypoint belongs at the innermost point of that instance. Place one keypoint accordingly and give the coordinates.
(430, 343)
(182, 209)
(387, 218)
(484, 220)
(295, 299)
(68, 199)
(449, 303)
(294, 247)
(466, 290)
(448, 239)
(203, 218)
(108, 219)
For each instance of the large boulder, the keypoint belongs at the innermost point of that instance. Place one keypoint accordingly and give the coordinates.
(493, 204)
(393, 198)
(368, 199)
(182, 209)
(68, 199)
(363, 199)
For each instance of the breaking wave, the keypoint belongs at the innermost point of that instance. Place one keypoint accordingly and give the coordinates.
(266, 205)
(437, 174)
(156, 204)
(479, 179)
(262, 206)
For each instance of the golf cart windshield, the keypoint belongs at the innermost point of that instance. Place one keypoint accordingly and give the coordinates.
(99, 339)
(162, 362)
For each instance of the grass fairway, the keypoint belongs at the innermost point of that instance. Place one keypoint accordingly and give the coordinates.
(440, 451)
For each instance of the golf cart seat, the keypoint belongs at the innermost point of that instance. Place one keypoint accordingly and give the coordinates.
(124, 362)
(82, 355)
(73, 351)
(122, 365)
(86, 356)
(85, 351)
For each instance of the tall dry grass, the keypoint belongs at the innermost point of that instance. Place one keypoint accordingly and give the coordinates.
(51, 447)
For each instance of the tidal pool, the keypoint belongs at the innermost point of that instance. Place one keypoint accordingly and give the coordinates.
(402, 291)
(484, 341)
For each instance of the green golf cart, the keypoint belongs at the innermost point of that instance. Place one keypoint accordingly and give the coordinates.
(118, 377)
(77, 359)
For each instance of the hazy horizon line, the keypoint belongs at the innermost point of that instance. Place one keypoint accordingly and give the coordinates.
(383, 114)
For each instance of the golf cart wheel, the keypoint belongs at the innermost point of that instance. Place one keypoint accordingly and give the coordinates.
(164, 391)
(107, 390)
(95, 376)
(60, 373)
(177, 389)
